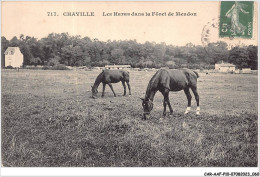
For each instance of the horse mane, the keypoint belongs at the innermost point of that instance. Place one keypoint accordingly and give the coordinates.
(153, 79)
(99, 79)
(153, 82)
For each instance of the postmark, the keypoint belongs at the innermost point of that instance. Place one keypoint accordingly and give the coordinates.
(210, 32)
(210, 37)
(236, 19)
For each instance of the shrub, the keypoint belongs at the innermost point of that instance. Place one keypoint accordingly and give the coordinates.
(9, 67)
(209, 67)
(170, 64)
(33, 67)
(46, 67)
(60, 67)
(54, 61)
(56, 67)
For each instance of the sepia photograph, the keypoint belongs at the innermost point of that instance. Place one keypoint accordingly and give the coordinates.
(130, 84)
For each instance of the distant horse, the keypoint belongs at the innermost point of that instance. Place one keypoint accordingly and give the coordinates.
(166, 80)
(111, 76)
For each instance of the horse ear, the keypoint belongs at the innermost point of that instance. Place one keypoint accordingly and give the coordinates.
(142, 99)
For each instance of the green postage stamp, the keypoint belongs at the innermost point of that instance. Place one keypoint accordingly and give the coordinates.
(236, 19)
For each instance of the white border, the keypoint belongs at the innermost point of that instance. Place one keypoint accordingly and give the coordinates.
(131, 171)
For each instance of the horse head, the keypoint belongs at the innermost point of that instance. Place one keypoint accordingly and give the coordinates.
(94, 91)
(147, 106)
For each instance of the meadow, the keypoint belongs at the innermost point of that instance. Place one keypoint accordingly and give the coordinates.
(48, 119)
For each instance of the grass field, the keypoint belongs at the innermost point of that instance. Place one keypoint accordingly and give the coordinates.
(48, 119)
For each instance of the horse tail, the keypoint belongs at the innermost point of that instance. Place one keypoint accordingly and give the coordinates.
(126, 72)
(126, 75)
(197, 74)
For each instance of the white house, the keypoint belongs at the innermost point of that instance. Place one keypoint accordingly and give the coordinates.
(225, 67)
(246, 70)
(117, 66)
(13, 57)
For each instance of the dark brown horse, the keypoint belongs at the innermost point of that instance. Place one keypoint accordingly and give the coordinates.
(166, 80)
(111, 76)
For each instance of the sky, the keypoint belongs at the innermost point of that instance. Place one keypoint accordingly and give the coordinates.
(31, 19)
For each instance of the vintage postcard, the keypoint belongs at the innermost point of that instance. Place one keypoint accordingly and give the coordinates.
(130, 84)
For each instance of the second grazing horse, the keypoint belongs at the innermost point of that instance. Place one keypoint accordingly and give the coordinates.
(106, 77)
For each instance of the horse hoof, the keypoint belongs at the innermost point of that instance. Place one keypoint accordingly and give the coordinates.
(187, 110)
(197, 113)
(186, 113)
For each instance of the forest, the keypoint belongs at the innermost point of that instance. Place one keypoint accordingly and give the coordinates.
(66, 50)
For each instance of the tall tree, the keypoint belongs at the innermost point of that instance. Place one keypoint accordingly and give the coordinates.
(4, 46)
(239, 57)
(252, 54)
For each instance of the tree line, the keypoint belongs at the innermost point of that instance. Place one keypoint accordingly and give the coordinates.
(64, 49)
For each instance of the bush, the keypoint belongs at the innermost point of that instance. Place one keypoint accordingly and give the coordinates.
(56, 67)
(9, 67)
(33, 67)
(209, 67)
(194, 66)
(54, 61)
(170, 64)
(35, 61)
(60, 67)
(46, 67)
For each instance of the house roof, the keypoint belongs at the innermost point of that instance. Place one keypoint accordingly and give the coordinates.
(11, 49)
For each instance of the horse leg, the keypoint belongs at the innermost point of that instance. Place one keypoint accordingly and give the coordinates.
(188, 95)
(166, 102)
(129, 88)
(110, 85)
(123, 82)
(164, 106)
(195, 92)
(169, 105)
(103, 92)
(166, 97)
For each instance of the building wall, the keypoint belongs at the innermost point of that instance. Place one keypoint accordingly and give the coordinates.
(227, 69)
(246, 70)
(15, 60)
(217, 66)
(8, 60)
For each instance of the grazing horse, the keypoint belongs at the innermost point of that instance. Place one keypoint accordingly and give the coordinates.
(166, 80)
(108, 77)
